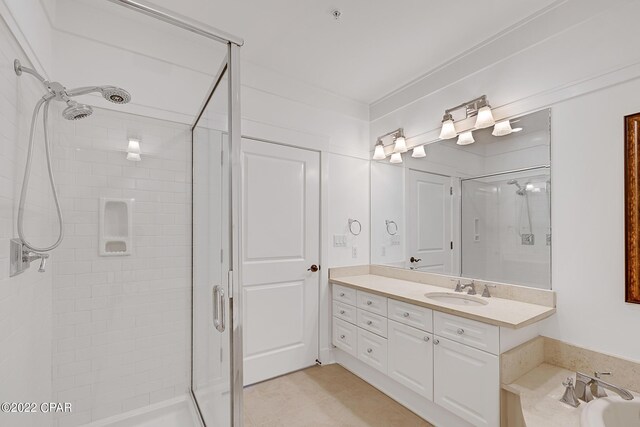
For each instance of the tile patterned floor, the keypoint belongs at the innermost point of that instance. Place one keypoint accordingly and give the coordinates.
(323, 396)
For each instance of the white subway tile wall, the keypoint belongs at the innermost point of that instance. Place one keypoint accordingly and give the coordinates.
(121, 337)
(25, 300)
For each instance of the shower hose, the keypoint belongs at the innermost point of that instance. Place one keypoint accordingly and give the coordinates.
(27, 173)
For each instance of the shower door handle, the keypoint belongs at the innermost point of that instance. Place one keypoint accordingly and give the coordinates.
(218, 301)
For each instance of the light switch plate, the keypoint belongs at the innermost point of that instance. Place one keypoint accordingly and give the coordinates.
(339, 240)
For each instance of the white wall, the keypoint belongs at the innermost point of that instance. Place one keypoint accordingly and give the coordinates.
(25, 300)
(122, 324)
(575, 59)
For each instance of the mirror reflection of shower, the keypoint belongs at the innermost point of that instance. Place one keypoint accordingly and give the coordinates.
(22, 251)
(526, 238)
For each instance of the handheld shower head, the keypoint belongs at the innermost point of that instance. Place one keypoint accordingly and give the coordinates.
(520, 191)
(115, 94)
(76, 111)
(512, 181)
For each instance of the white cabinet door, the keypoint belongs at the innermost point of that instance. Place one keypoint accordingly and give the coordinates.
(467, 382)
(410, 353)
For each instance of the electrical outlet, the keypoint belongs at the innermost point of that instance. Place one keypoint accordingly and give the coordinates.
(354, 252)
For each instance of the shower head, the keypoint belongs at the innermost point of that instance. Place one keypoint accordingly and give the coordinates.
(115, 94)
(76, 111)
(520, 191)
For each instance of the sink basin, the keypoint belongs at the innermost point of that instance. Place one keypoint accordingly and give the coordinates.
(611, 411)
(456, 299)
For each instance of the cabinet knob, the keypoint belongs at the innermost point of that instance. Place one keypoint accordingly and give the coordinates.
(341, 337)
(460, 331)
(369, 303)
(369, 322)
(369, 350)
(405, 314)
(426, 339)
(341, 294)
(436, 341)
(341, 311)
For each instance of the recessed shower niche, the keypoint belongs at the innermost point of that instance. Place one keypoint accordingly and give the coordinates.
(115, 227)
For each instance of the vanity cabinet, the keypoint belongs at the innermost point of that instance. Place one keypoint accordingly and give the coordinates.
(450, 361)
(467, 382)
(411, 358)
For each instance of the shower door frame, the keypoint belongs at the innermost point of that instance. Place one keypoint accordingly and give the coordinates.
(231, 65)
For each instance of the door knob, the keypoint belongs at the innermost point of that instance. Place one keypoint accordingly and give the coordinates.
(413, 259)
(313, 268)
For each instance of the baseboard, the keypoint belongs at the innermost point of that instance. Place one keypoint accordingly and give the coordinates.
(424, 408)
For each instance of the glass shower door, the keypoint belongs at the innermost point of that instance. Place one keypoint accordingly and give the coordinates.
(212, 365)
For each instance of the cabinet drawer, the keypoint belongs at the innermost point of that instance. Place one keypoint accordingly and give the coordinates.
(345, 336)
(345, 312)
(373, 303)
(344, 294)
(372, 322)
(412, 315)
(475, 334)
(372, 350)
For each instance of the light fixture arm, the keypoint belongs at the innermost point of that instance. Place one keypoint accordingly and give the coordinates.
(397, 132)
(471, 107)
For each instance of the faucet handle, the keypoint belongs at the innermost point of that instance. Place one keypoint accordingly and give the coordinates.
(486, 293)
(458, 285)
(596, 389)
(600, 374)
(569, 397)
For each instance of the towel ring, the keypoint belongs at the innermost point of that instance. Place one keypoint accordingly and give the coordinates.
(351, 226)
(391, 225)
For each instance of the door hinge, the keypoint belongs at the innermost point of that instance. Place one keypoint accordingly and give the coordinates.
(451, 245)
(230, 280)
(451, 191)
(221, 256)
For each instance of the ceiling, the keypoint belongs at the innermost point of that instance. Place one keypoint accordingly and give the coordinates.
(374, 48)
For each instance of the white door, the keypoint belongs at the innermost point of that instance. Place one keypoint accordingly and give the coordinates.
(429, 234)
(281, 240)
(411, 358)
(467, 382)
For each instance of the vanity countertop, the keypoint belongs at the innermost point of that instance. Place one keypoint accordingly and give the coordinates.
(499, 311)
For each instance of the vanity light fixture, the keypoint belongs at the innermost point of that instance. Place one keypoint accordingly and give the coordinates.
(502, 128)
(418, 152)
(378, 154)
(465, 138)
(400, 143)
(485, 116)
(448, 128)
(478, 108)
(396, 158)
(134, 157)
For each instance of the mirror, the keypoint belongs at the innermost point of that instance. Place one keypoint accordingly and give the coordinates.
(481, 210)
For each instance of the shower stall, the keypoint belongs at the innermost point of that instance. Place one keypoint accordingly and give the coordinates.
(146, 331)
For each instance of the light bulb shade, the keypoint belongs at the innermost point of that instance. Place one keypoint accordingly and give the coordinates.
(378, 154)
(400, 145)
(448, 130)
(485, 118)
(134, 157)
(466, 138)
(502, 128)
(134, 146)
(418, 152)
(396, 158)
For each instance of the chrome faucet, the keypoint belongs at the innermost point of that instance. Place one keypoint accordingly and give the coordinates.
(30, 256)
(458, 285)
(589, 388)
(471, 286)
(486, 292)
